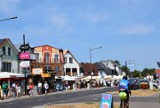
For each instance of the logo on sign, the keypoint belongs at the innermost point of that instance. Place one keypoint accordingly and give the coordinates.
(24, 55)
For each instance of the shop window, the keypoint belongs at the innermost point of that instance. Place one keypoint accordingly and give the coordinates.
(37, 56)
(6, 67)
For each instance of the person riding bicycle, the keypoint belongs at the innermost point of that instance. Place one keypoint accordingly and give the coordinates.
(124, 88)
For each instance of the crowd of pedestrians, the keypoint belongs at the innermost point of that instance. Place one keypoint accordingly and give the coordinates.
(14, 90)
(9, 91)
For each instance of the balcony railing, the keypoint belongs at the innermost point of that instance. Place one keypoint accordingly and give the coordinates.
(47, 61)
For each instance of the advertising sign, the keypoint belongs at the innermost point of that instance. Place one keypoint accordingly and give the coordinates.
(36, 71)
(24, 55)
(106, 101)
(25, 64)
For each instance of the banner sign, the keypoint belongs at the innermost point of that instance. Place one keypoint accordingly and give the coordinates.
(24, 55)
(106, 101)
(25, 64)
(36, 71)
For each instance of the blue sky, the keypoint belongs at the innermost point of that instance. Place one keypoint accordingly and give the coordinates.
(126, 29)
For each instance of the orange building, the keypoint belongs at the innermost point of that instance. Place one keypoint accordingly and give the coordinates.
(49, 62)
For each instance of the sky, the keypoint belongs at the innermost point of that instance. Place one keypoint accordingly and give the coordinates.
(127, 30)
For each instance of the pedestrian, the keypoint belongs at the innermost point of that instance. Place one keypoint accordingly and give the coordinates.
(46, 87)
(31, 89)
(0, 91)
(18, 90)
(5, 90)
(39, 88)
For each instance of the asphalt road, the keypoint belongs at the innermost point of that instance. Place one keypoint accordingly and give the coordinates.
(74, 97)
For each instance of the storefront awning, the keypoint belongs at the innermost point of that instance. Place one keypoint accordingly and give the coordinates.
(10, 75)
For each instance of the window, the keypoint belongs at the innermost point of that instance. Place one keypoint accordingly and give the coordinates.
(6, 67)
(68, 70)
(4, 51)
(46, 57)
(9, 51)
(56, 69)
(65, 59)
(37, 56)
(70, 60)
(47, 67)
(56, 58)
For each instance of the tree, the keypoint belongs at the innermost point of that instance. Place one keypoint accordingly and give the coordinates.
(136, 74)
(126, 70)
(147, 71)
(117, 62)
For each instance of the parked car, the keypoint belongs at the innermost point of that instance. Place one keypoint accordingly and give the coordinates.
(134, 83)
(59, 86)
(144, 83)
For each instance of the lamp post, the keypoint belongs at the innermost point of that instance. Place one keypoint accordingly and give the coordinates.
(8, 19)
(90, 53)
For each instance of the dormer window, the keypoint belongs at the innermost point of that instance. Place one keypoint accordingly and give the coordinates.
(4, 51)
(70, 60)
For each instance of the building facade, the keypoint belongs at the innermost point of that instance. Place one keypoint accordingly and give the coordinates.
(71, 66)
(8, 57)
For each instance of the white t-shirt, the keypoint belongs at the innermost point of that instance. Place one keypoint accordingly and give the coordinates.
(40, 85)
(46, 86)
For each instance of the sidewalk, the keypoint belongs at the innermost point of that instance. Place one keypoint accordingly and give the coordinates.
(57, 92)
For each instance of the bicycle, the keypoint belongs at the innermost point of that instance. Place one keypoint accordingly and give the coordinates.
(124, 101)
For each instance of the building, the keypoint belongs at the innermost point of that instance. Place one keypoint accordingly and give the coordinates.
(8, 56)
(71, 66)
(48, 64)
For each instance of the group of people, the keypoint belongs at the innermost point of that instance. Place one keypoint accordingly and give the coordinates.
(39, 88)
(6, 90)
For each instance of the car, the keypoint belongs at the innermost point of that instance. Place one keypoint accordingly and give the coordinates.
(134, 83)
(59, 86)
(144, 83)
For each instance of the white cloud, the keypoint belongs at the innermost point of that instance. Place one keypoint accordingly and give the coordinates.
(137, 28)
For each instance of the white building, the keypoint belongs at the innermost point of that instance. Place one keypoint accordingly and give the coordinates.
(71, 66)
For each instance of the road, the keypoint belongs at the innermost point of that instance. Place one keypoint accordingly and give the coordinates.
(74, 97)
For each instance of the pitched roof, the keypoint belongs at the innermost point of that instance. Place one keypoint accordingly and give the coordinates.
(101, 66)
(2, 41)
(67, 51)
(157, 71)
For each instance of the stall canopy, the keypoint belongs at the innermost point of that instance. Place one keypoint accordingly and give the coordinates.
(69, 78)
(10, 75)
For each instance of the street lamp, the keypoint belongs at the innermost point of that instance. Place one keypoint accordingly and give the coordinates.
(90, 52)
(8, 19)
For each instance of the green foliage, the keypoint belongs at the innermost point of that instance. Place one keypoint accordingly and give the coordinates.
(136, 74)
(117, 62)
(126, 70)
(147, 71)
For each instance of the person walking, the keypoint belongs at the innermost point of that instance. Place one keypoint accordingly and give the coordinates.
(39, 88)
(46, 87)
(0, 91)
(5, 90)
(18, 90)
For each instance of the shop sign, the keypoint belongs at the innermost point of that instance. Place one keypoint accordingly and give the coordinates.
(24, 55)
(25, 64)
(36, 71)
(158, 75)
(44, 75)
(24, 47)
(106, 101)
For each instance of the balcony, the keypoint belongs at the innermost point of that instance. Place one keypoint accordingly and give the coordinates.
(46, 61)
